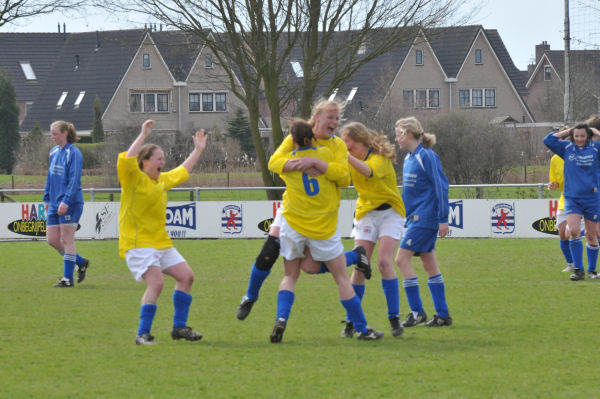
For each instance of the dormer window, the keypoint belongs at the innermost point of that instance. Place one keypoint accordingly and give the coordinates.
(79, 99)
(333, 94)
(146, 61)
(27, 70)
(419, 57)
(297, 69)
(547, 72)
(478, 56)
(208, 61)
(361, 49)
(61, 100)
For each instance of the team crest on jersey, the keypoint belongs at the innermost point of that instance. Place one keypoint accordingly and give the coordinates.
(231, 219)
(503, 218)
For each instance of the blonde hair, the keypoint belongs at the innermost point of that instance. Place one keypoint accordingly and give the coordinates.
(145, 153)
(378, 142)
(323, 105)
(413, 126)
(69, 128)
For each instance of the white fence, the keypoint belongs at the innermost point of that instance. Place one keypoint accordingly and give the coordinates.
(495, 218)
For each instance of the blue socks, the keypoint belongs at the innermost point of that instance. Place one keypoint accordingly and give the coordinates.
(257, 277)
(577, 252)
(566, 250)
(351, 259)
(392, 296)
(438, 294)
(360, 293)
(285, 300)
(69, 265)
(181, 305)
(357, 317)
(592, 255)
(147, 312)
(411, 287)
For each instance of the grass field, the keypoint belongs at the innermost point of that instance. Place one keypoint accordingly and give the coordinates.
(521, 330)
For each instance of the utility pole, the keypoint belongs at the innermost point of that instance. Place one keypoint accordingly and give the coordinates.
(568, 104)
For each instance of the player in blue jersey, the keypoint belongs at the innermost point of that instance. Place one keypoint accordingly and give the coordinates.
(324, 121)
(581, 168)
(309, 220)
(425, 196)
(63, 200)
(379, 215)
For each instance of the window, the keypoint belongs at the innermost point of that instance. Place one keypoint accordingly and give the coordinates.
(419, 57)
(79, 99)
(146, 60)
(135, 102)
(464, 97)
(148, 102)
(208, 62)
(475, 97)
(221, 102)
(61, 100)
(361, 49)
(333, 94)
(352, 93)
(207, 102)
(547, 73)
(421, 98)
(490, 97)
(194, 102)
(28, 70)
(478, 56)
(297, 69)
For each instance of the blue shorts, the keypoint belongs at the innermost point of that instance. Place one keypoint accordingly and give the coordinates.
(72, 215)
(419, 240)
(588, 207)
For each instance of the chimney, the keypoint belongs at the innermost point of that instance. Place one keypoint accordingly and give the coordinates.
(530, 69)
(59, 27)
(76, 61)
(65, 31)
(540, 49)
(97, 41)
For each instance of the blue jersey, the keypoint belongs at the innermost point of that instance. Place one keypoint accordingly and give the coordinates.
(63, 182)
(581, 166)
(424, 189)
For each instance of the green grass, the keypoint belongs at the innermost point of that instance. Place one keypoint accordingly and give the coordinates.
(521, 330)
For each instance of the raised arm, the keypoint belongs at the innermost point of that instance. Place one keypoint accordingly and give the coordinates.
(360, 166)
(137, 144)
(199, 146)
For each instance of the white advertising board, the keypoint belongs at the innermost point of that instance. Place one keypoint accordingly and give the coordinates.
(500, 218)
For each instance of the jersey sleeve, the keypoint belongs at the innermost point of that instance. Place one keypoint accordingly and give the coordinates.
(174, 177)
(281, 155)
(128, 171)
(338, 170)
(74, 167)
(433, 168)
(555, 145)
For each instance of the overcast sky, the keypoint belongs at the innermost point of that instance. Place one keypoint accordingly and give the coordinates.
(521, 23)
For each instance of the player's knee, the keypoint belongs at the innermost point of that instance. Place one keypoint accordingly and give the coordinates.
(268, 254)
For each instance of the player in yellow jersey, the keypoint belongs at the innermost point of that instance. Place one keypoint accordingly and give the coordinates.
(309, 221)
(324, 121)
(379, 215)
(143, 239)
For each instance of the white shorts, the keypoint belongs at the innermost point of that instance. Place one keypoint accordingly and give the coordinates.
(278, 217)
(293, 245)
(377, 224)
(140, 259)
(561, 217)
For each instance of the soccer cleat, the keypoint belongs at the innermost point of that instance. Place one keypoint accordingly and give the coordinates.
(439, 321)
(245, 307)
(578, 274)
(363, 264)
(348, 331)
(593, 275)
(369, 335)
(186, 333)
(82, 269)
(569, 269)
(396, 325)
(64, 283)
(145, 339)
(414, 318)
(278, 329)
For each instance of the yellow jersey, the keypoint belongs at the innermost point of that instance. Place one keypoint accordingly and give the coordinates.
(377, 189)
(142, 217)
(310, 204)
(557, 175)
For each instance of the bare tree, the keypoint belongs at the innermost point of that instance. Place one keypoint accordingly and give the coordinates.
(11, 10)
